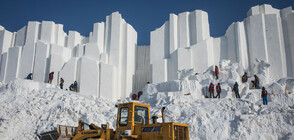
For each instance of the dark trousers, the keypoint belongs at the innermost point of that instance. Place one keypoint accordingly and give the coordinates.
(61, 86)
(218, 95)
(216, 75)
(211, 94)
(237, 95)
(264, 99)
(50, 81)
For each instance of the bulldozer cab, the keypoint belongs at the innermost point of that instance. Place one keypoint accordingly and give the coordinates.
(129, 115)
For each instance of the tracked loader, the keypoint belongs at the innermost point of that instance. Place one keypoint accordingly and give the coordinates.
(133, 123)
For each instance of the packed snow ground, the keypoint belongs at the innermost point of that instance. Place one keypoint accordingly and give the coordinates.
(29, 108)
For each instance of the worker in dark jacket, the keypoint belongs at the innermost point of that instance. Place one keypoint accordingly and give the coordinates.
(61, 83)
(211, 90)
(71, 87)
(236, 90)
(244, 78)
(218, 90)
(30, 76)
(256, 82)
(264, 96)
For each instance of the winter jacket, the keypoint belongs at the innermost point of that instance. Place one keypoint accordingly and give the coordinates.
(244, 78)
(236, 88)
(216, 70)
(211, 87)
(264, 93)
(218, 88)
(51, 75)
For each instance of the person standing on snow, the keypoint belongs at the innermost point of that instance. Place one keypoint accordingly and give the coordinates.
(61, 83)
(216, 71)
(256, 82)
(30, 76)
(50, 77)
(264, 96)
(75, 86)
(134, 96)
(244, 78)
(211, 90)
(236, 90)
(218, 90)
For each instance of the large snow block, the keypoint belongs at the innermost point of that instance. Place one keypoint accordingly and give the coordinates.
(13, 61)
(179, 60)
(80, 50)
(92, 51)
(159, 43)
(275, 47)
(141, 79)
(60, 50)
(5, 41)
(89, 76)
(290, 47)
(242, 46)
(60, 35)
(202, 55)
(256, 39)
(27, 60)
(74, 39)
(237, 45)
(130, 66)
(20, 36)
(220, 49)
(3, 66)
(48, 31)
(56, 63)
(199, 26)
(69, 72)
(159, 71)
(184, 32)
(173, 30)
(98, 35)
(41, 62)
(107, 82)
(32, 33)
(142, 57)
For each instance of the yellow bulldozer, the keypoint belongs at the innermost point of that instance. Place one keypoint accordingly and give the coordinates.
(133, 123)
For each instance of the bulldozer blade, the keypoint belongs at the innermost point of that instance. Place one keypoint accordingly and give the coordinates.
(51, 135)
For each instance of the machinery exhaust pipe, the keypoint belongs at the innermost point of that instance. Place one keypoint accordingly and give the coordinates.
(162, 112)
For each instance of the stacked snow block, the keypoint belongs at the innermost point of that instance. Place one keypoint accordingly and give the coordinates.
(103, 64)
(143, 68)
(108, 64)
(181, 31)
(266, 34)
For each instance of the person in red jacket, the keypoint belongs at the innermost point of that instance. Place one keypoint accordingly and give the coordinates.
(50, 77)
(211, 90)
(218, 90)
(134, 96)
(216, 72)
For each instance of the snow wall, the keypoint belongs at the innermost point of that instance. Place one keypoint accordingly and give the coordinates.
(109, 64)
(184, 42)
(103, 64)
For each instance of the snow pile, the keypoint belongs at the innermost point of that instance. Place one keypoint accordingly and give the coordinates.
(29, 108)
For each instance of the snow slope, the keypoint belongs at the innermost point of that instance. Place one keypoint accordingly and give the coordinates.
(29, 108)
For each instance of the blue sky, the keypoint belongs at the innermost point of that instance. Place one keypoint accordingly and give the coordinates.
(143, 15)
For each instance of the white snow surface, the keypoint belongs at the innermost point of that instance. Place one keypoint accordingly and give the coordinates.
(29, 108)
